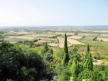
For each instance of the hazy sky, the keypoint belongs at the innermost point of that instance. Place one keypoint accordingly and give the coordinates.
(53, 12)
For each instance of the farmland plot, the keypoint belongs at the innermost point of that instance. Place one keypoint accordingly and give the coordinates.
(101, 62)
(70, 42)
(20, 38)
(53, 44)
(75, 37)
(103, 39)
(61, 42)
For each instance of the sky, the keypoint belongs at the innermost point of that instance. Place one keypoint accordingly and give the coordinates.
(53, 12)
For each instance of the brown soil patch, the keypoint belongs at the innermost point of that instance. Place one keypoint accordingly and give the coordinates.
(72, 41)
(101, 62)
(75, 37)
(52, 44)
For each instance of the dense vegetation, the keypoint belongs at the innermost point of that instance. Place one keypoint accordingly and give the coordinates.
(23, 62)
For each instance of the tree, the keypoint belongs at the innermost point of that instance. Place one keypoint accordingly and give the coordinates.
(48, 57)
(88, 63)
(97, 76)
(66, 56)
(85, 75)
(50, 51)
(11, 60)
(95, 38)
(46, 47)
(33, 60)
(65, 45)
(74, 68)
(19, 66)
(28, 74)
(64, 76)
(74, 54)
(88, 48)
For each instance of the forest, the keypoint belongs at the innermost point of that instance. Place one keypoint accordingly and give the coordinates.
(22, 61)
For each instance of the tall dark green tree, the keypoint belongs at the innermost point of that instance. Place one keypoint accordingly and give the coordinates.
(88, 48)
(66, 56)
(46, 47)
(65, 44)
(88, 63)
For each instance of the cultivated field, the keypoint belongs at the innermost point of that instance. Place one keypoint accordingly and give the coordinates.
(98, 39)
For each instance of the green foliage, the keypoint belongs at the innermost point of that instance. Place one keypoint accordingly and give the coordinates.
(52, 64)
(48, 57)
(102, 70)
(58, 70)
(95, 38)
(58, 54)
(74, 54)
(46, 47)
(66, 56)
(99, 67)
(90, 76)
(74, 67)
(28, 73)
(16, 65)
(33, 60)
(86, 74)
(64, 59)
(97, 76)
(64, 76)
(88, 63)
(72, 78)
(47, 53)
(88, 48)
(65, 45)
(11, 60)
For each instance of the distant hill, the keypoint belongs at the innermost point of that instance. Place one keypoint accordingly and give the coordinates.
(100, 27)
(96, 27)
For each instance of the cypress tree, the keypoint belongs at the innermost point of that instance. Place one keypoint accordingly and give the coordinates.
(88, 48)
(66, 56)
(88, 63)
(65, 44)
(46, 47)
